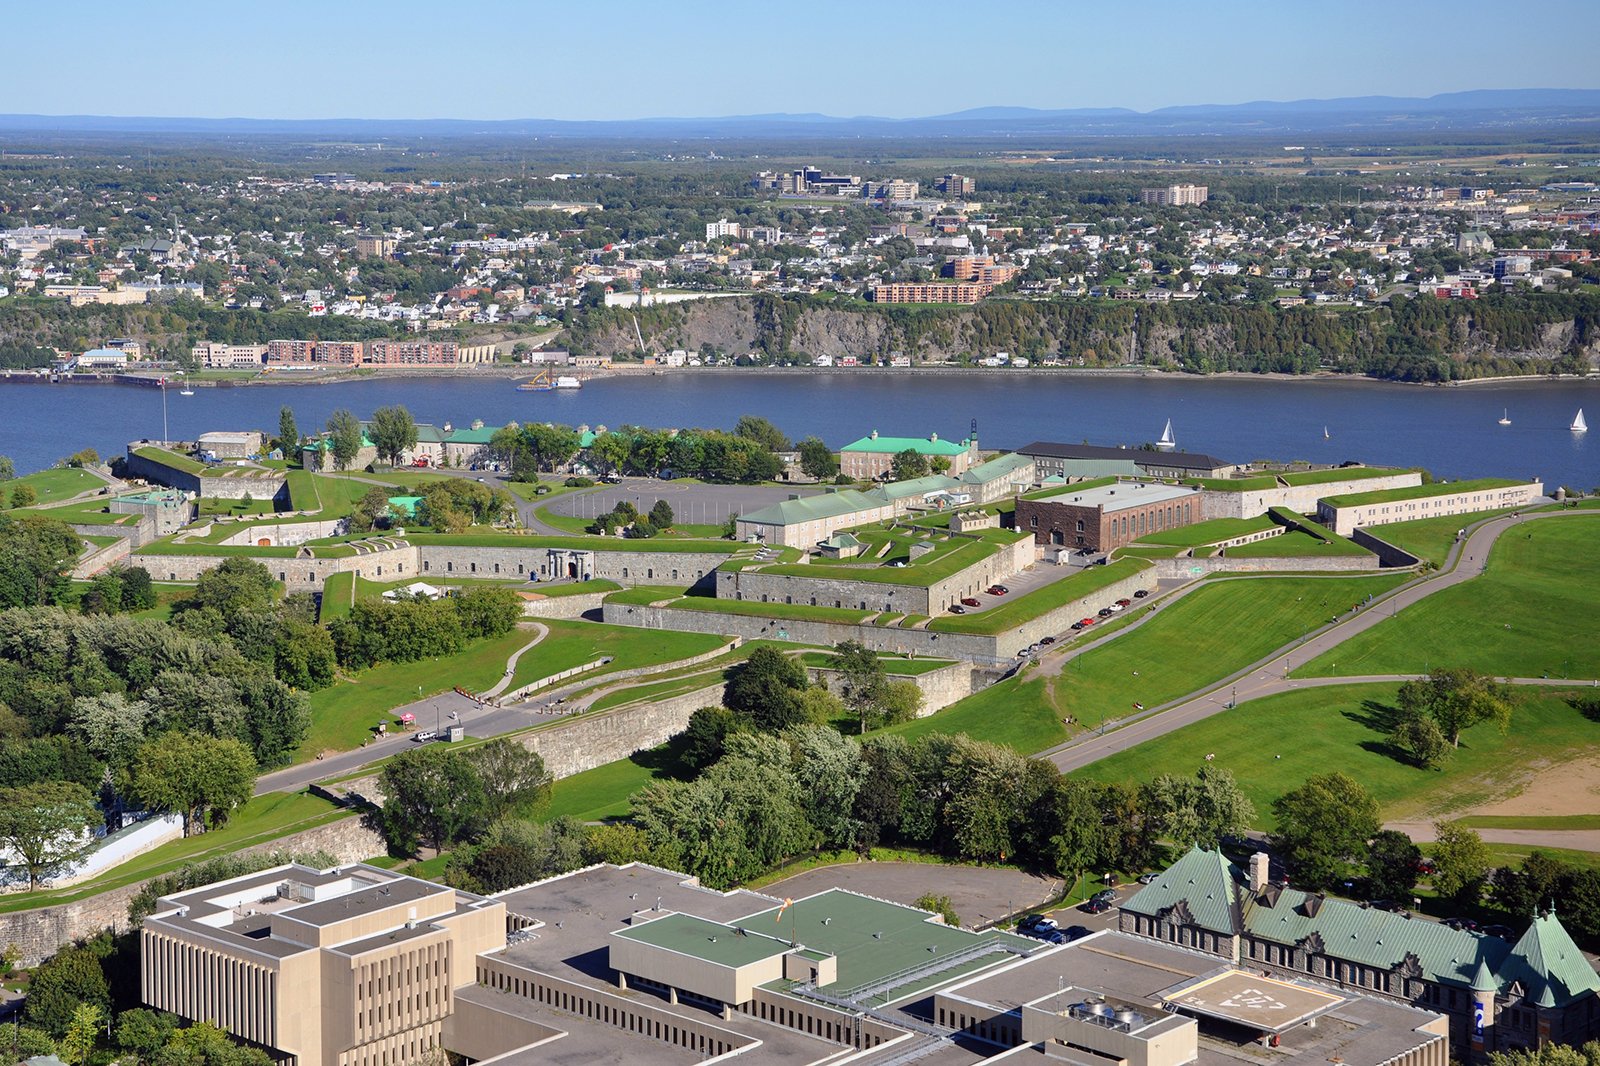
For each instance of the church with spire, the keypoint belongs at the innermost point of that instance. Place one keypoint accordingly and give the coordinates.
(1498, 995)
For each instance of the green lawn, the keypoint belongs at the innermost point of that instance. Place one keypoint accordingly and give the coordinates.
(945, 561)
(644, 595)
(263, 819)
(303, 491)
(1209, 532)
(1219, 628)
(604, 791)
(51, 486)
(1531, 613)
(1016, 610)
(172, 459)
(345, 714)
(1018, 712)
(572, 644)
(1419, 492)
(1272, 745)
(1323, 477)
(577, 588)
(892, 665)
(800, 612)
(488, 539)
(1429, 538)
(216, 505)
(1296, 543)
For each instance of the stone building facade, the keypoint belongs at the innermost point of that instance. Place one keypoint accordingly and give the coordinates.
(1109, 516)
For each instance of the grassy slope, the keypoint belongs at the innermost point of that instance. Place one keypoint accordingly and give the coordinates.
(1213, 631)
(1428, 538)
(52, 485)
(1018, 713)
(1531, 613)
(1296, 543)
(1272, 745)
(1028, 606)
(572, 644)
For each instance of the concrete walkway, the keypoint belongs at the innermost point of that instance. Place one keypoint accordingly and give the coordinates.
(540, 632)
(1575, 839)
(1269, 676)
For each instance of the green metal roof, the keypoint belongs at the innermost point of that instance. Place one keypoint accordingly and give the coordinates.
(406, 505)
(1204, 881)
(471, 435)
(843, 540)
(931, 445)
(710, 941)
(997, 468)
(1549, 966)
(918, 486)
(810, 508)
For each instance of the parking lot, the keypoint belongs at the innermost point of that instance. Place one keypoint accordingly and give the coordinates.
(692, 503)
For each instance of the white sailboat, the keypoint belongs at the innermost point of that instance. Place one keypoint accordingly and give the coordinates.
(186, 390)
(1505, 418)
(1578, 424)
(1167, 443)
(1324, 432)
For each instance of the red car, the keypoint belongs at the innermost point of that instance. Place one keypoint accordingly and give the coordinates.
(968, 601)
(1086, 622)
(1124, 603)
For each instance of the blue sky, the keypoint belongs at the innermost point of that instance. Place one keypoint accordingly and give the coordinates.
(627, 58)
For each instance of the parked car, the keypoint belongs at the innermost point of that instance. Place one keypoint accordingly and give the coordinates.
(1502, 931)
(1114, 608)
(1077, 626)
(1047, 641)
(1000, 590)
(971, 601)
(1086, 622)
(1462, 923)
(1105, 612)
(1148, 879)
(1106, 895)
(956, 608)
(1034, 924)
(425, 734)
(1141, 594)
(1095, 906)
(1124, 602)
(1075, 932)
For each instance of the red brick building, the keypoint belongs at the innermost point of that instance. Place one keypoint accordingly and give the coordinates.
(1109, 516)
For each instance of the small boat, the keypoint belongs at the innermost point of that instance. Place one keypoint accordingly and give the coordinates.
(186, 391)
(535, 386)
(1324, 432)
(1167, 443)
(568, 383)
(1505, 418)
(1578, 424)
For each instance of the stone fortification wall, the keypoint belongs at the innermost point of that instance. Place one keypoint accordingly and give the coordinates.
(1386, 552)
(940, 688)
(297, 574)
(285, 534)
(99, 559)
(750, 627)
(867, 595)
(267, 485)
(1185, 568)
(41, 932)
(443, 561)
(158, 472)
(564, 606)
(1300, 498)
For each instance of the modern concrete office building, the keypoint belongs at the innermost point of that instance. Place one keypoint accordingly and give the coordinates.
(350, 966)
(1108, 516)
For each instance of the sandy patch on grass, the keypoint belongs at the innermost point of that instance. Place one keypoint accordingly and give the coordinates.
(1565, 788)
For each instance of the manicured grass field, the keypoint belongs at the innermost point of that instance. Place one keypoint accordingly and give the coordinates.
(572, 644)
(482, 538)
(263, 819)
(1209, 532)
(937, 566)
(1273, 745)
(604, 791)
(576, 588)
(1018, 712)
(215, 505)
(644, 595)
(799, 612)
(1531, 613)
(344, 714)
(1420, 492)
(52, 485)
(1429, 538)
(1028, 606)
(1215, 630)
(1296, 543)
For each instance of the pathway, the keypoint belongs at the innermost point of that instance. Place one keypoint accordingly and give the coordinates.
(1574, 839)
(541, 631)
(1269, 676)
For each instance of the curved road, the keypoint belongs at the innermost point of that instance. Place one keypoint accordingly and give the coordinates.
(1270, 676)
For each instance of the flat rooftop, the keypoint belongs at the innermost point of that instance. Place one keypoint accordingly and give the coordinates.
(1145, 973)
(1260, 1002)
(725, 945)
(1122, 495)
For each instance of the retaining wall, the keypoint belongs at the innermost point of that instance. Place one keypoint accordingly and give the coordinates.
(622, 566)
(564, 606)
(285, 534)
(41, 932)
(101, 558)
(297, 574)
(1387, 553)
(940, 688)
(1301, 498)
(1184, 568)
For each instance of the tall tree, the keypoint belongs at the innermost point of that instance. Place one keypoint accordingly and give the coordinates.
(1322, 825)
(1393, 863)
(344, 438)
(514, 777)
(908, 464)
(863, 685)
(393, 433)
(816, 461)
(763, 432)
(36, 551)
(46, 825)
(430, 795)
(766, 690)
(1460, 863)
(202, 778)
(288, 433)
(1197, 810)
(1457, 700)
(609, 451)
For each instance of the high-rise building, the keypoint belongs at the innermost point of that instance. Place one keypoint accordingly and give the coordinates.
(956, 186)
(413, 353)
(1175, 195)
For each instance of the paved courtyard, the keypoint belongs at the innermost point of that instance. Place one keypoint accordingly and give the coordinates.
(980, 896)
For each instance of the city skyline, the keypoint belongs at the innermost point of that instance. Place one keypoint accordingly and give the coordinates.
(533, 61)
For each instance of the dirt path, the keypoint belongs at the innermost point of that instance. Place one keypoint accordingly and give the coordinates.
(1572, 839)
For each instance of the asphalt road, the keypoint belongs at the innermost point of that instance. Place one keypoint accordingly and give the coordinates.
(1269, 676)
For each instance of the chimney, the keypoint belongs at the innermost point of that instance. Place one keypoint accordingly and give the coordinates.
(1258, 872)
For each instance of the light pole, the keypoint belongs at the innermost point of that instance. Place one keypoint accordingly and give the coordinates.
(163, 410)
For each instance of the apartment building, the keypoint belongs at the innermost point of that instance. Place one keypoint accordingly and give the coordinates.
(722, 228)
(349, 966)
(1175, 195)
(895, 190)
(379, 245)
(413, 353)
(286, 353)
(929, 292)
(982, 269)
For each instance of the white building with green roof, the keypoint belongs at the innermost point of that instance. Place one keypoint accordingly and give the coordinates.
(1538, 989)
(872, 456)
(801, 521)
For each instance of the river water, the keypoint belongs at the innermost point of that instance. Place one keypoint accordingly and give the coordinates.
(1453, 432)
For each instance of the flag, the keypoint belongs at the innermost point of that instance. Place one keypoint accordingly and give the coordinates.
(779, 916)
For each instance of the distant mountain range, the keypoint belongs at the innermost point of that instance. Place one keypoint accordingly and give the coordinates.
(1481, 109)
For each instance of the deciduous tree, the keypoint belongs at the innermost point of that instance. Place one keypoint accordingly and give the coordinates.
(393, 432)
(344, 438)
(1457, 700)
(1460, 863)
(1322, 825)
(1393, 863)
(202, 778)
(47, 825)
